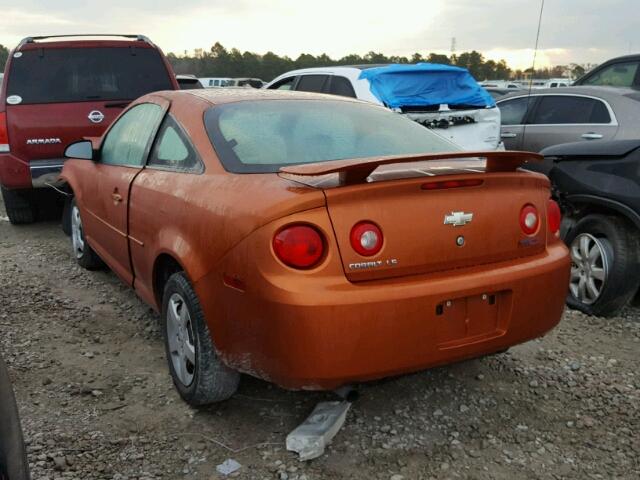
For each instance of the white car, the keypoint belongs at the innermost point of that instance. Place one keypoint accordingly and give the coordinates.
(210, 82)
(474, 127)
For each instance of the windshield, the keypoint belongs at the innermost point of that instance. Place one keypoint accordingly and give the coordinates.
(264, 135)
(56, 75)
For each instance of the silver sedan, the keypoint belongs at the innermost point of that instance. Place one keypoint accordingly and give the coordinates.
(560, 115)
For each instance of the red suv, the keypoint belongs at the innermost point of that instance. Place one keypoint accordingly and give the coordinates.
(57, 90)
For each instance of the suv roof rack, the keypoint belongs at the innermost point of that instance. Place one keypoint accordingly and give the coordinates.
(138, 37)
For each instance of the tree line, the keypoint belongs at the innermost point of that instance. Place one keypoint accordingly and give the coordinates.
(220, 62)
(4, 55)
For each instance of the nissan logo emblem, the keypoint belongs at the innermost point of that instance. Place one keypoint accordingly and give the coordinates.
(96, 116)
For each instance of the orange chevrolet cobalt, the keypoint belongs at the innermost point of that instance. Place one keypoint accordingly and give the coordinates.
(313, 241)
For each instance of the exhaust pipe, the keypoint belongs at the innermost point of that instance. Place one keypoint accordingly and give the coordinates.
(349, 393)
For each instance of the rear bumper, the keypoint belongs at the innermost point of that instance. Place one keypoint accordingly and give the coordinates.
(326, 335)
(16, 173)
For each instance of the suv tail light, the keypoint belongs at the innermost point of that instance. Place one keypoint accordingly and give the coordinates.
(366, 238)
(4, 134)
(529, 219)
(299, 246)
(554, 217)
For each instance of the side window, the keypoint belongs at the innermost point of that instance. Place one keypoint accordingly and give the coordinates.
(617, 75)
(341, 86)
(512, 112)
(172, 149)
(558, 110)
(312, 83)
(127, 142)
(284, 84)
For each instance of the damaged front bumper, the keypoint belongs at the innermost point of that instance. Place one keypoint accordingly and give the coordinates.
(477, 129)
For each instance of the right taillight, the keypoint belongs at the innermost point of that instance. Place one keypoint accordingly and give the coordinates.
(529, 219)
(554, 217)
(299, 246)
(4, 134)
(366, 238)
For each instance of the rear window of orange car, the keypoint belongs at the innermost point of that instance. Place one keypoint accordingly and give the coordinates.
(60, 75)
(262, 136)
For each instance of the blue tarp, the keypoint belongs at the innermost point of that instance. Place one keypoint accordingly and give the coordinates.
(425, 84)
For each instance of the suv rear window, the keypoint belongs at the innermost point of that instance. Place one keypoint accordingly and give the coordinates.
(57, 75)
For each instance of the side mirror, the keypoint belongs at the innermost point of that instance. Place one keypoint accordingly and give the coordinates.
(82, 149)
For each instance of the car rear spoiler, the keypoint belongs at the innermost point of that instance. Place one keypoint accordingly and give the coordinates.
(357, 170)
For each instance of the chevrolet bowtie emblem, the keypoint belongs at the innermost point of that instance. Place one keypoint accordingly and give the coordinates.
(458, 219)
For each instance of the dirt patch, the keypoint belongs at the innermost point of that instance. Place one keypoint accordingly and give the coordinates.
(97, 401)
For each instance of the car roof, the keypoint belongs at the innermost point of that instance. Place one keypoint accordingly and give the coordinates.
(217, 96)
(84, 41)
(593, 91)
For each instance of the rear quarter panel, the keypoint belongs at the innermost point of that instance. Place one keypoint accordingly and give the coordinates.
(197, 218)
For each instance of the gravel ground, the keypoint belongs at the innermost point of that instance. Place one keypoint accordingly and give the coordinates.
(97, 401)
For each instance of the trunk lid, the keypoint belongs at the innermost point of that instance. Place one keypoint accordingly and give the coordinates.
(44, 131)
(417, 239)
(422, 225)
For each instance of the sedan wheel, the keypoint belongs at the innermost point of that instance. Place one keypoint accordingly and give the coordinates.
(82, 251)
(181, 339)
(198, 373)
(77, 235)
(590, 257)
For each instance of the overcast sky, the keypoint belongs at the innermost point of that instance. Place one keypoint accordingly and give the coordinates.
(577, 31)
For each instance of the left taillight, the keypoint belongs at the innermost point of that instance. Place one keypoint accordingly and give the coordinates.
(4, 133)
(554, 217)
(299, 246)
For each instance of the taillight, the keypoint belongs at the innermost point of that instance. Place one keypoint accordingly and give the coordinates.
(529, 219)
(366, 238)
(298, 246)
(4, 134)
(554, 216)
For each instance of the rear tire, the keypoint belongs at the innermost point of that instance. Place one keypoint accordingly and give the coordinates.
(198, 373)
(605, 262)
(82, 251)
(20, 206)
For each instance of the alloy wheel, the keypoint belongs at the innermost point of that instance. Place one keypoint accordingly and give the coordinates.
(77, 234)
(590, 259)
(181, 339)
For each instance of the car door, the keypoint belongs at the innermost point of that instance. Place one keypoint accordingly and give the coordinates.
(568, 118)
(160, 195)
(339, 85)
(513, 114)
(312, 83)
(286, 83)
(122, 155)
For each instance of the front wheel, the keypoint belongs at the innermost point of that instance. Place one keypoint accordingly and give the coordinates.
(604, 265)
(198, 373)
(82, 251)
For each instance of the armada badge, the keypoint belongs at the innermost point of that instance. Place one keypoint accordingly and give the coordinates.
(458, 219)
(43, 141)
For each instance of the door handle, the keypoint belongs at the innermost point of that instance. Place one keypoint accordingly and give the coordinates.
(591, 136)
(117, 198)
(508, 135)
